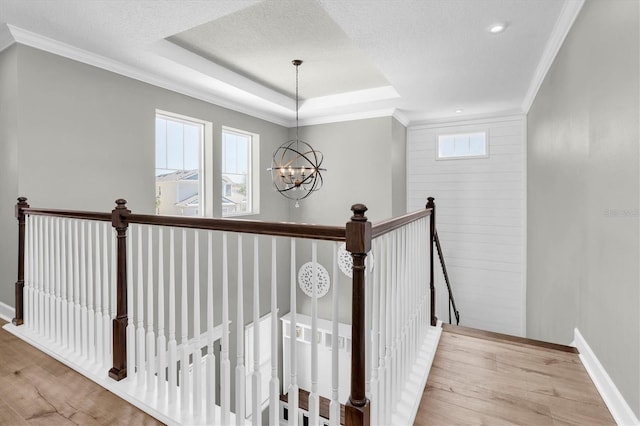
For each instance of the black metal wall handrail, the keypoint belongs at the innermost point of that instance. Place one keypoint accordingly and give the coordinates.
(452, 302)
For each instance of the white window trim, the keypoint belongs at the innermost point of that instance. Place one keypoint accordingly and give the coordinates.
(206, 159)
(466, 157)
(254, 164)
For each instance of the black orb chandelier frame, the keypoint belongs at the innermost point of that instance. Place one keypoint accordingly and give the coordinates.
(296, 168)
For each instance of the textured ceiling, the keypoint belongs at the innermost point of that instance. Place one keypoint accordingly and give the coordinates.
(423, 59)
(260, 41)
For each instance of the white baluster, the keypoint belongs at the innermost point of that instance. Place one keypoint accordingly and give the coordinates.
(131, 323)
(381, 264)
(162, 341)
(314, 400)
(374, 315)
(98, 313)
(151, 335)
(83, 291)
(293, 380)
(140, 332)
(47, 280)
(58, 300)
(41, 273)
(197, 350)
(367, 328)
(106, 284)
(64, 283)
(28, 278)
(68, 281)
(225, 365)
(334, 407)
(389, 330)
(51, 317)
(256, 379)
(185, 387)
(211, 357)
(274, 384)
(172, 358)
(90, 312)
(76, 282)
(26, 313)
(240, 369)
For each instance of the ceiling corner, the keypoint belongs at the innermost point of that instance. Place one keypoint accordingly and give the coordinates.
(6, 37)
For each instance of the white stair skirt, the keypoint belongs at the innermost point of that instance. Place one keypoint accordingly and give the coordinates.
(411, 395)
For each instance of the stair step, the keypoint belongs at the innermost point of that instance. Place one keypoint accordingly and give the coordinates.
(506, 338)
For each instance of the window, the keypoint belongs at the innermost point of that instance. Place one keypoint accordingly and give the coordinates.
(238, 179)
(464, 145)
(179, 177)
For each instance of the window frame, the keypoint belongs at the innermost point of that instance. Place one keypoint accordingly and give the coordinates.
(484, 132)
(205, 161)
(253, 178)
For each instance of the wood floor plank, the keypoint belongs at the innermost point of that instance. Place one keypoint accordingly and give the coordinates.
(478, 381)
(9, 417)
(35, 389)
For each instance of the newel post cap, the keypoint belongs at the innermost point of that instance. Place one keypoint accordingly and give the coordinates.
(358, 212)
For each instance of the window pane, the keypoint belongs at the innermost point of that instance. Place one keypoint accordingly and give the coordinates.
(243, 154)
(446, 146)
(230, 154)
(161, 143)
(175, 158)
(461, 146)
(191, 147)
(477, 145)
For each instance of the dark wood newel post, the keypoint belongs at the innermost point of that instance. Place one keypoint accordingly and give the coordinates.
(119, 221)
(432, 232)
(358, 242)
(19, 288)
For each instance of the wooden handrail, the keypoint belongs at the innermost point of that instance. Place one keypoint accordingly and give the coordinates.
(278, 229)
(388, 225)
(71, 214)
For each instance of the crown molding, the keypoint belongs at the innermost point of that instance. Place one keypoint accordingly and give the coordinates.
(401, 117)
(567, 17)
(338, 118)
(6, 38)
(469, 120)
(55, 47)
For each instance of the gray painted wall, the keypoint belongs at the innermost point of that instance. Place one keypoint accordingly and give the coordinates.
(358, 158)
(398, 168)
(365, 161)
(583, 186)
(8, 171)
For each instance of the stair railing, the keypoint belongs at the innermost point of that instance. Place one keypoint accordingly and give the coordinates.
(357, 235)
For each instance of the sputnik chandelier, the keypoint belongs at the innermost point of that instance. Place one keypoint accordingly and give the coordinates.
(296, 168)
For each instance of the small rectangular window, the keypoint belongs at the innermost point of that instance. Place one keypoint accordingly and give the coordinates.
(237, 172)
(462, 145)
(179, 145)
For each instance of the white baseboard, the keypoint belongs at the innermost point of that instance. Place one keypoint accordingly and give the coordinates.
(620, 410)
(7, 312)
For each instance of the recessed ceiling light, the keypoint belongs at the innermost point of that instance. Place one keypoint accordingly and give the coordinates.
(459, 110)
(497, 28)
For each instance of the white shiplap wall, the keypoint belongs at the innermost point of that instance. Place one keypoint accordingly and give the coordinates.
(480, 205)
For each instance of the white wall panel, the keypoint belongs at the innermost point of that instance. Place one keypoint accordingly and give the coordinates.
(480, 206)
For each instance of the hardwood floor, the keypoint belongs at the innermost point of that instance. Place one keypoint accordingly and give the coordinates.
(35, 389)
(487, 380)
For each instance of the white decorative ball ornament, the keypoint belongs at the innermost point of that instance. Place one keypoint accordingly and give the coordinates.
(305, 279)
